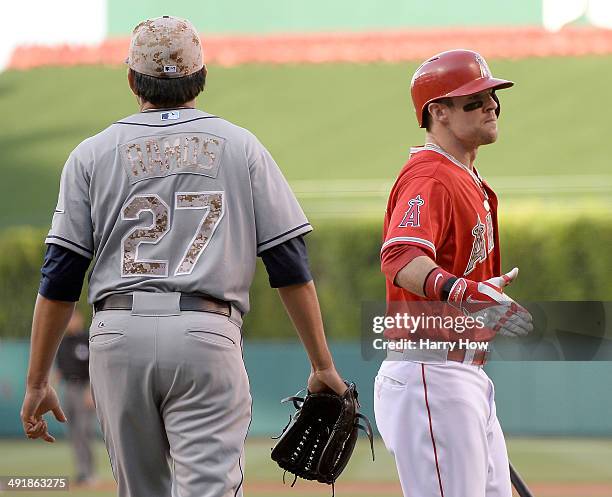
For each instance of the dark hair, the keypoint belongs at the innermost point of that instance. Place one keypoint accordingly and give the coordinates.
(169, 92)
(426, 116)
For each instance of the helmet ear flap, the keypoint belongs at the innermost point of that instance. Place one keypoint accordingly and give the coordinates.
(496, 98)
(425, 117)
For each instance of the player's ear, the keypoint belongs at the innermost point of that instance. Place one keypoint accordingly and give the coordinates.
(130, 78)
(438, 112)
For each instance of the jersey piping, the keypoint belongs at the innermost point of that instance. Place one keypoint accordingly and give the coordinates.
(431, 433)
(432, 147)
(169, 124)
(283, 234)
(50, 237)
(409, 239)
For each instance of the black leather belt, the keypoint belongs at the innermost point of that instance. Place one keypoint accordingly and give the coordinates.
(199, 303)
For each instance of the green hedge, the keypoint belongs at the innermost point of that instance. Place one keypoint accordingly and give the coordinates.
(559, 258)
(21, 252)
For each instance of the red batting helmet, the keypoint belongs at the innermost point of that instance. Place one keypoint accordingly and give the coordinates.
(455, 73)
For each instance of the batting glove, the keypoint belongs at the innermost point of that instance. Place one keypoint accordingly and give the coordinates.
(483, 299)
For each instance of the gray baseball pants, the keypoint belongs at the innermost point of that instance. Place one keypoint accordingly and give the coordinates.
(172, 396)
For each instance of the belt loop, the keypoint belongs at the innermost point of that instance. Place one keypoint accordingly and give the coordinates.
(235, 315)
(155, 304)
(468, 358)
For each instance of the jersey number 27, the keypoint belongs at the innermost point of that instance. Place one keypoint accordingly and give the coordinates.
(211, 203)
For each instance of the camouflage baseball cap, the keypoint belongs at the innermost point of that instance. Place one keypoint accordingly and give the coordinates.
(165, 47)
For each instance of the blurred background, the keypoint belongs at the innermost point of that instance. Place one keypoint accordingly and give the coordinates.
(326, 87)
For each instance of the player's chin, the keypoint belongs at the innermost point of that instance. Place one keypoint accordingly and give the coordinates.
(489, 134)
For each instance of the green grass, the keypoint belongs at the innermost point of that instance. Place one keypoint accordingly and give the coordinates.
(562, 460)
(331, 123)
(540, 461)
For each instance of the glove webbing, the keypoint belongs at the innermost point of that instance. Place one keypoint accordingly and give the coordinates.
(367, 429)
(298, 402)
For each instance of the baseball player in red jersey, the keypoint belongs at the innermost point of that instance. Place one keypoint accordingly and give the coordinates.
(435, 405)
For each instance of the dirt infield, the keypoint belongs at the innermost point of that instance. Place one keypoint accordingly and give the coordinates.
(369, 488)
(388, 46)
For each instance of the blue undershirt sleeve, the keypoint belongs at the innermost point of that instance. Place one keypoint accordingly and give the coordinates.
(63, 273)
(287, 263)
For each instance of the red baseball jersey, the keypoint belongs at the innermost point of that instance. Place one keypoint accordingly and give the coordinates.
(448, 211)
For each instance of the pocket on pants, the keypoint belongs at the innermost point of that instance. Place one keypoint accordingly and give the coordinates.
(106, 337)
(213, 329)
(212, 337)
(107, 328)
(383, 381)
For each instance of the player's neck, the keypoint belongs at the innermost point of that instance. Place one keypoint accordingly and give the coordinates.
(465, 155)
(144, 105)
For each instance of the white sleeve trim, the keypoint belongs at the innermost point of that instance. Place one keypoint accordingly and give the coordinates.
(409, 239)
(288, 235)
(70, 245)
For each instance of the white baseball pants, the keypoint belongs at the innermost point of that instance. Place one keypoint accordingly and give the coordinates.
(439, 422)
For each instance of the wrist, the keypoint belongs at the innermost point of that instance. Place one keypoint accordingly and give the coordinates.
(321, 366)
(438, 283)
(37, 383)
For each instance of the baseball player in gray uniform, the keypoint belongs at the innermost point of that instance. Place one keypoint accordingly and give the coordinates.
(170, 207)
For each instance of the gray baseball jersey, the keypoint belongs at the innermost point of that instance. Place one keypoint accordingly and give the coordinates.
(174, 201)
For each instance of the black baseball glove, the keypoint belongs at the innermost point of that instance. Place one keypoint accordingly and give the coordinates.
(319, 439)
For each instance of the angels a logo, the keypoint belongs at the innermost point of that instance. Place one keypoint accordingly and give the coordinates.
(479, 247)
(485, 72)
(412, 217)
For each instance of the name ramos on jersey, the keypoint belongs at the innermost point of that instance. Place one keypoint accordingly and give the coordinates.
(158, 156)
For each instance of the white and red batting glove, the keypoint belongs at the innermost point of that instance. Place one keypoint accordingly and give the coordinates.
(483, 299)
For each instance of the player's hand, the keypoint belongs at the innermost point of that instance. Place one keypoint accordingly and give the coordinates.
(326, 379)
(486, 299)
(36, 403)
